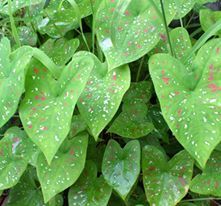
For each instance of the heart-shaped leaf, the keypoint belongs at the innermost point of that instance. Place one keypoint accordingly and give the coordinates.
(133, 121)
(189, 98)
(102, 96)
(27, 192)
(12, 75)
(121, 167)
(183, 7)
(89, 190)
(209, 182)
(61, 50)
(15, 151)
(65, 168)
(165, 183)
(47, 108)
(27, 35)
(180, 41)
(209, 18)
(127, 30)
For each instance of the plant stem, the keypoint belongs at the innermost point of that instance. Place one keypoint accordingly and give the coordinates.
(139, 69)
(166, 27)
(200, 199)
(93, 36)
(13, 27)
(181, 22)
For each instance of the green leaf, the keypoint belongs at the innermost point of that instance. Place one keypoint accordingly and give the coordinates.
(46, 111)
(183, 7)
(133, 121)
(61, 50)
(89, 190)
(27, 192)
(77, 125)
(121, 167)
(16, 5)
(188, 98)
(12, 76)
(64, 169)
(15, 151)
(209, 18)
(209, 182)
(102, 96)
(165, 183)
(27, 36)
(180, 41)
(126, 30)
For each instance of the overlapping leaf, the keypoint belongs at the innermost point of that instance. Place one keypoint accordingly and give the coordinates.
(89, 190)
(27, 192)
(128, 29)
(102, 96)
(15, 151)
(12, 76)
(209, 182)
(165, 183)
(121, 167)
(47, 108)
(65, 168)
(133, 121)
(190, 98)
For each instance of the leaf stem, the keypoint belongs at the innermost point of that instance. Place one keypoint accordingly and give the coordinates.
(201, 199)
(93, 35)
(166, 27)
(13, 27)
(139, 69)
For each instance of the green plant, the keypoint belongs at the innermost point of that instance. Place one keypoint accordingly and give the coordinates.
(110, 102)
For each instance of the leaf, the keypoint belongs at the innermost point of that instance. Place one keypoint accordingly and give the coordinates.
(180, 41)
(189, 98)
(138, 91)
(209, 182)
(183, 7)
(27, 192)
(126, 30)
(165, 183)
(18, 4)
(209, 18)
(12, 75)
(64, 169)
(102, 96)
(15, 152)
(89, 190)
(77, 125)
(132, 121)
(46, 111)
(121, 167)
(61, 50)
(27, 36)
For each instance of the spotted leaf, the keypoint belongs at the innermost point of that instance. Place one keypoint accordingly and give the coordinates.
(121, 167)
(180, 41)
(189, 98)
(16, 5)
(183, 7)
(61, 50)
(28, 193)
(12, 76)
(133, 121)
(209, 182)
(15, 151)
(165, 183)
(209, 18)
(65, 168)
(128, 29)
(47, 108)
(77, 125)
(89, 190)
(102, 96)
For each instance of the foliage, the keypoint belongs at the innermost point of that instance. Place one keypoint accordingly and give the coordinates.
(110, 102)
